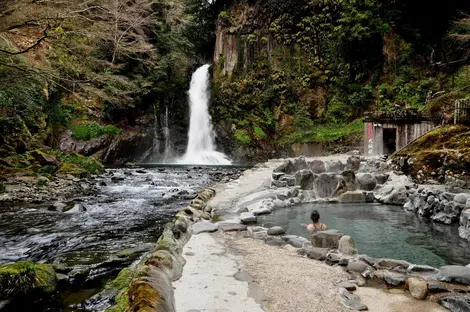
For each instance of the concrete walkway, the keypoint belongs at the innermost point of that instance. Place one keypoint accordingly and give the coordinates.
(211, 279)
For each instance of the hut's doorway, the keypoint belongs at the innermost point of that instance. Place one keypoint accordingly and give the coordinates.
(390, 140)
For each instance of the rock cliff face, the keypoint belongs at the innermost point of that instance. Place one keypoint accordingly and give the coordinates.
(263, 91)
(242, 39)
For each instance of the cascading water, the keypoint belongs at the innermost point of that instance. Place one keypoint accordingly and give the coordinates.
(168, 154)
(201, 147)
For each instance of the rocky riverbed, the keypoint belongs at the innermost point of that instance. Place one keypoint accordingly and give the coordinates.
(87, 230)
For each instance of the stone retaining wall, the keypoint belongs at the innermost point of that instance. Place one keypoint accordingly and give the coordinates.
(151, 289)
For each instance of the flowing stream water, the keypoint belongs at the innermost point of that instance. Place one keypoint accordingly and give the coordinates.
(201, 146)
(380, 231)
(121, 222)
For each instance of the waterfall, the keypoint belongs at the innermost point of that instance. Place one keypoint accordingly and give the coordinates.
(201, 146)
(168, 154)
(156, 139)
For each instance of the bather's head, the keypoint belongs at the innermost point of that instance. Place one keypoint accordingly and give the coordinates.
(315, 216)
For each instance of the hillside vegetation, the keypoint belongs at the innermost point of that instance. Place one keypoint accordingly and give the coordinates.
(295, 71)
(304, 63)
(443, 151)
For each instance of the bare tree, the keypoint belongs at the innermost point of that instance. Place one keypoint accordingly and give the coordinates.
(122, 25)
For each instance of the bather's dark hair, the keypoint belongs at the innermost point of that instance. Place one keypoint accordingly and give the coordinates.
(315, 216)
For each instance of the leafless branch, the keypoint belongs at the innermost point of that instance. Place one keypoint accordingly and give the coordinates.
(45, 35)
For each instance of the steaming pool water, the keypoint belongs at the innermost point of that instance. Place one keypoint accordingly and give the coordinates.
(380, 231)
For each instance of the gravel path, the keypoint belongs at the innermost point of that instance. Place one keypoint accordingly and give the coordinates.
(294, 283)
(290, 282)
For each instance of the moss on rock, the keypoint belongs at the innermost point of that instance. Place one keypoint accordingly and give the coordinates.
(73, 169)
(25, 276)
(144, 298)
(445, 149)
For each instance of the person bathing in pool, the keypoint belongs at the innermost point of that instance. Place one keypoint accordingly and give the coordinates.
(315, 226)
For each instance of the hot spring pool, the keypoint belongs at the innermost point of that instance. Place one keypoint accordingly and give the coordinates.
(380, 231)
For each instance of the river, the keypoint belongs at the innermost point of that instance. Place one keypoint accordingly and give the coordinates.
(121, 222)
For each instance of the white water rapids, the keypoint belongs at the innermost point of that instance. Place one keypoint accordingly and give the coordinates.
(201, 146)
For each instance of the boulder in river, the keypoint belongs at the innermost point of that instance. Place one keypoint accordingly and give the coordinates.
(24, 277)
(73, 207)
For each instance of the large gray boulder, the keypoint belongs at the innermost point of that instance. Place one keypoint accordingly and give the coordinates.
(304, 178)
(464, 229)
(346, 246)
(394, 194)
(317, 253)
(454, 274)
(326, 239)
(247, 218)
(381, 178)
(204, 226)
(295, 241)
(317, 166)
(350, 179)
(300, 163)
(462, 198)
(353, 163)
(394, 278)
(335, 166)
(276, 230)
(391, 264)
(326, 184)
(278, 175)
(366, 181)
(231, 226)
(352, 197)
(455, 303)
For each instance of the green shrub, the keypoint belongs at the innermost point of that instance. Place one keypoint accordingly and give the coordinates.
(47, 169)
(3, 188)
(25, 276)
(92, 130)
(242, 136)
(42, 181)
(258, 132)
(90, 164)
(224, 16)
(326, 133)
